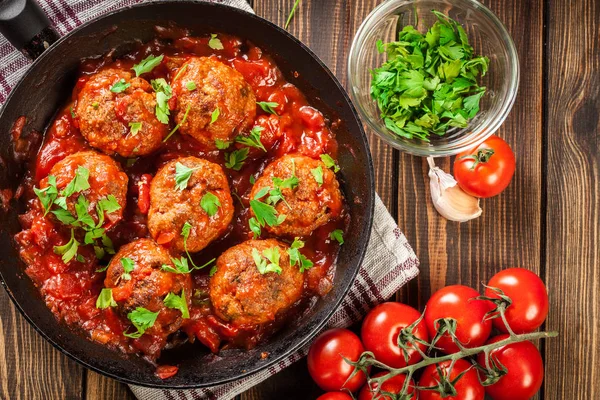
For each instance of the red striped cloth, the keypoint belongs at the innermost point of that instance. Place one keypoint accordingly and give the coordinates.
(389, 262)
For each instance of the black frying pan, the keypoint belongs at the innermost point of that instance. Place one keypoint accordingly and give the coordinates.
(48, 84)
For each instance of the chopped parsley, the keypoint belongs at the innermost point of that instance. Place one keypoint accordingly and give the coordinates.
(330, 162)
(119, 86)
(142, 319)
(128, 267)
(185, 232)
(253, 139)
(147, 64)
(214, 42)
(187, 111)
(213, 270)
(337, 235)
(105, 299)
(79, 183)
(222, 144)
(182, 266)
(48, 194)
(163, 93)
(268, 262)
(182, 175)
(210, 203)
(69, 249)
(268, 106)
(235, 159)
(191, 86)
(134, 128)
(428, 84)
(214, 116)
(179, 72)
(298, 258)
(318, 174)
(178, 303)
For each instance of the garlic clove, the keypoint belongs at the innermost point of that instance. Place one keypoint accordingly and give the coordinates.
(448, 198)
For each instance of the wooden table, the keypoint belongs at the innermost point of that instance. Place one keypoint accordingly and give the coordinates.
(548, 220)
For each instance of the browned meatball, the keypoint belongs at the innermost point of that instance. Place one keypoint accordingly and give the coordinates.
(105, 178)
(172, 205)
(147, 284)
(105, 117)
(215, 85)
(308, 205)
(240, 294)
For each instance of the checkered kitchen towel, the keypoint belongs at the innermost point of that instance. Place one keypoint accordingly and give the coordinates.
(389, 263)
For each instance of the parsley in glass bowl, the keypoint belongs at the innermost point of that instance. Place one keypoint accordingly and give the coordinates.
(488, 38)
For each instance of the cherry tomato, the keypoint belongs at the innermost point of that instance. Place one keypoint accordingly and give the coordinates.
(486, 170)
(467, 387)
(525, 370)
(335, 396)
(457, 302)
(381, 328)
(393, 385)
(529, 307)
(326, 364)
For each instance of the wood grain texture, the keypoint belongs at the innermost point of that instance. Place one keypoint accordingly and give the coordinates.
(30, 368)
(573, 200)
(99, 387)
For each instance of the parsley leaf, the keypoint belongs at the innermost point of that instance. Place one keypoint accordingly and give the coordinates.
(119, 86)
(210, 203)
(213, 270)
(191, 86)
(178, 303)
(81, 208)
(222, 144)
(235, 159)
(428, 84)
(48, 194)
(134, 128)
(253, 139)
(268, 106)
(214, 42)
(254, 227)
(163, 93)
(142, 319)
(318, 174)
(64, 216)
(214, 116)
(147, 64)
(128, 267)
(298, 258)
(68, 250)
(330, 162)
(182, 175)
(265, 213)
(187, 111)
(79, 183)
(270, 262)
(338, 235)
(105, 299)
(181, 266)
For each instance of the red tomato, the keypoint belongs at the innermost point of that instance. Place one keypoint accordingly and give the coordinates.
(335, 396)
(467, 387)
(381, 328)
(486, 170)
(393, 385)
(166, 371)
(457, 302)
(529, 307)
(326, 365)
(144, 193)
(525, 370)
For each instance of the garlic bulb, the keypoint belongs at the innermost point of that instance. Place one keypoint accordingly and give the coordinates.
(448, 198)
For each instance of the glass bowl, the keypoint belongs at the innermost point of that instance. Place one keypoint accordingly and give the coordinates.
(487, 35)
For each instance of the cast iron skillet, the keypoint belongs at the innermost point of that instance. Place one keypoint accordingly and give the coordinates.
(48, 84)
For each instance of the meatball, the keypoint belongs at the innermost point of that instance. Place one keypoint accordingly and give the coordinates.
(309, 204)
(215, 85)
(240, 294)
(147, 284)
(105, 178)
(204, 201)
(125, 122)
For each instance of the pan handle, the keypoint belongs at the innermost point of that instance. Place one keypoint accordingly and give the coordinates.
(26, 26)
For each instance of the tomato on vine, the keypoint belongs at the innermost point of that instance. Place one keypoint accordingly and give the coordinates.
(456, 308)
(382, 327)
(528, 307)
(335, 396)
(459, 383)
(486, 170)
(393, 385)
(326, 363)
(523, 366)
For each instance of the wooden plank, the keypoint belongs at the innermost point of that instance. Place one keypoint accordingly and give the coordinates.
(327, 27)
(30, 368)
(99, 387)
(573, 199)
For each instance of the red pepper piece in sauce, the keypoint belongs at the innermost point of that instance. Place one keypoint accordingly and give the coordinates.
(166, 371)
(144, 193)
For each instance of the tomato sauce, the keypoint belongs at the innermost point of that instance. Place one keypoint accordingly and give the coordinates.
(70, 290)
